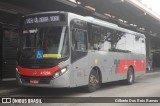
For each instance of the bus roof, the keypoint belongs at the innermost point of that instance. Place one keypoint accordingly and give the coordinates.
(92, 20)
(106, 24)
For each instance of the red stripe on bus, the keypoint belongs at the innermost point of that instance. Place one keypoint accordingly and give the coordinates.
(138, 65)
(38, 72)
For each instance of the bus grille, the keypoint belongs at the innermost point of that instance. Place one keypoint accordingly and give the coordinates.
(42, 80)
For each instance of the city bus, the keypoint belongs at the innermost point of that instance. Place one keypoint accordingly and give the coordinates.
(63, 50)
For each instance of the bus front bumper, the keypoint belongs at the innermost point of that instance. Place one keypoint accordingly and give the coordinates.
(49, 82)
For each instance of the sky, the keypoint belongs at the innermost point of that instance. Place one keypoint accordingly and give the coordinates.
(154, 4)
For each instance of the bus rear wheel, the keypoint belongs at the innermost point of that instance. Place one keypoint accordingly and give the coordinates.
(130, 76)
(94, 81)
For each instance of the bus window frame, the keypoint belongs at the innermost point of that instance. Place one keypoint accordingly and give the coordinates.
(86, 41)
(80, 25)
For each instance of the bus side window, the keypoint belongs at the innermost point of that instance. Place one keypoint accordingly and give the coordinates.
(95, 38)
(79, 40)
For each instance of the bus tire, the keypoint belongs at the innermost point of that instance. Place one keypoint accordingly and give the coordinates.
(94, 81)
(130, 76)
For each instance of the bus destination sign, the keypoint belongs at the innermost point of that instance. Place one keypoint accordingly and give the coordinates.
(43, 19)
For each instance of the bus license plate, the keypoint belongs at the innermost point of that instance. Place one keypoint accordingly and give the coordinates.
(34, 81)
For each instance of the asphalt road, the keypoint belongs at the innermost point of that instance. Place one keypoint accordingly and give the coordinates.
(144, 86)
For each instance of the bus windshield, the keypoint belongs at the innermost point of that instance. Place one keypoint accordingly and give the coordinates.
(49, 42)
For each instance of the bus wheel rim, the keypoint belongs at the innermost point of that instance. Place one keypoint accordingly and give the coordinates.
(93, 81)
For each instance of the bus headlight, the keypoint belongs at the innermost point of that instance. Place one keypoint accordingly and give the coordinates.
(60, 72)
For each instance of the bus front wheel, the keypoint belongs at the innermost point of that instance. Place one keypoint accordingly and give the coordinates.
(94, 81)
